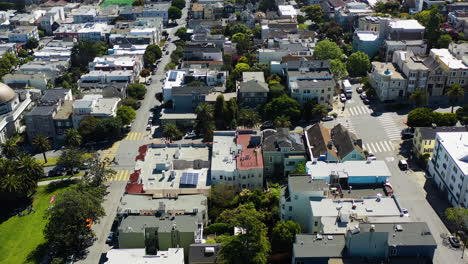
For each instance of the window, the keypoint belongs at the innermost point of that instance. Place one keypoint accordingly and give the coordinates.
(444, 165)
(323, 91)
(271, 159)
(290, 208)
(454, 74)
(221, 177)
(296, 197)
(455, 169)
(316, 223)
(329, 89)
(462, 81)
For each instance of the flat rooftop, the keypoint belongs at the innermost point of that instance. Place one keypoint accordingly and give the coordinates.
(448, 59)
(367, 35)
(224, 148)
(456, 144)
(308, 245)
(251, 155)
(138, 223)
(353, 168)
(65, 110)
(387, 67)
(138, 256)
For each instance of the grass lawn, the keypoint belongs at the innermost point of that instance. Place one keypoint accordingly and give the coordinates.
(79, 174)
(117, 2)
(22, 240)
(51, 161)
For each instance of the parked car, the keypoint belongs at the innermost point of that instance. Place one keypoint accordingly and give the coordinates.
(371, 157)
(366, 101)
(454, 242)
(148, 127)
(363, 95)
(167, 52)
(57, 171)
(359, 89)
(343, 97)
(403, 165)
(328, 118)
(190, 135)
(110, 238)
(407, 133)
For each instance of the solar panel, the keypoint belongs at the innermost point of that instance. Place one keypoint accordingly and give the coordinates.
(189, 178)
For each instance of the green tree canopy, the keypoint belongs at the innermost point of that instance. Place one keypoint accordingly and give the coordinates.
(248, 118)
(41, 144)
(178, 3)
(171, 132)
(132, 102)
(419, 97)
(462, 115)
(283, 105)
(327, 50)
(314, 13)
(420, 117)
(71, 159)
(456, 93)
(432, 32)
(282, 121)
(152, 54)
(276, 90)
(358, 64)
(241, 67)
(18, 177)
(10, 148)
(182, 33)
(84, 52)
(32, 43)
(136, 90)
(284, 235)
(138, 3)
(338, 69)
(126, 114)
(220, 109)
(72, 138)
(242, 41)
(444, 41)
(458, 216)
(174, 12)
(205, 124)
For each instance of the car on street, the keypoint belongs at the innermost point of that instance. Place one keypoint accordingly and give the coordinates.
(359, 89)
(110, 238)
(148, 127)
(148, 82)
(328, 118)
(407, 133)
(343, 98)
(404, 212)
(403, 165)
(363, 95)
(454, 242)
(167, 52)
(371, 157)
(57, 171)
(366, 101)
(190, 135)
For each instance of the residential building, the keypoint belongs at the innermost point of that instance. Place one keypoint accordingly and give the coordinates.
(202, 52)
(282, 152)
(51, 69)
(126, 50)
(174, 78)
(50, 20)
(448, 166)
(287, 12)
(26, 80)
(95, 105)
(8, 48)
(197, 11)
(52, 115)
(237, 159)
(390, 242)
(84, 14)
(206, 253)
(413, 69)
(425, 137)
(100, 76)
(332, 145)
(170, 170)
(389, 84)
(159, 233)
(94, 32)
(118, 63)
(68, 32)
(23, 33)
(460, 22)
(54, 51)
(253, 90)
(348, 16)
(138, 255)
(206, 76)
(181, 120)
(13, 106)
(444, 70)
(185, 99)
(417, 47)
(144, 30)
(459, 51)
(157, 10)
(319, 91)
(408, 29)
(218, 40)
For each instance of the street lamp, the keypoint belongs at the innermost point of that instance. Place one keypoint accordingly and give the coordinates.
(462, 234)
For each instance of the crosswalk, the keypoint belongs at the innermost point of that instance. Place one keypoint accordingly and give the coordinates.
(377, 147)
(359, 110)
(108, 155)
(120, 175)
(134, 136)
(388, 122)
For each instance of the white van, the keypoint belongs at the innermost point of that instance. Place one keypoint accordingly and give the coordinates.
(347, 88)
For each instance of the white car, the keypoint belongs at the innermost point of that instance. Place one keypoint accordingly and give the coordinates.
(148, 127)
(359, 89)
(328, 118)
(404, 212)
(343, 98)
(371, 157)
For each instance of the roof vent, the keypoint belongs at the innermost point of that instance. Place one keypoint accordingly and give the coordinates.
(399, 228)
(372, 228)
(319, 237)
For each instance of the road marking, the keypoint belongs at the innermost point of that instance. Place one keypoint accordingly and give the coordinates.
(120, 175)
(389, 146)
(377, 147)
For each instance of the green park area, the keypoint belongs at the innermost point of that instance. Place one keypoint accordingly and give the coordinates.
(117, 2)
(21, 237)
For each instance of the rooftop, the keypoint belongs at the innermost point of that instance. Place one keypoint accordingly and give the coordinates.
(411, 234)
(224, 150)
(444, 56)
(138, 256)
(138, 223)
(410, 24)
(204, 253)
(429, 133)
(135, 204)
(65, 110)
(54, 95)
(251, 154)
(413, 62)
(367, 35)
(282, 138)
(312, 83)
(316, 246)
(298, 184)
(387, 68)
(456, 144)
(258, 76)
(351, 168)
(287, 10)
(42, 110)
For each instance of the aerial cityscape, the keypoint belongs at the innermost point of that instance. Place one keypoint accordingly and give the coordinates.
(233, 131)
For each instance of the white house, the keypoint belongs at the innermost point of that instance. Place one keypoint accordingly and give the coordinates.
(95, 105)
(389, 84)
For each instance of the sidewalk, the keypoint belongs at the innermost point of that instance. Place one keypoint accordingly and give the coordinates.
(42, 183)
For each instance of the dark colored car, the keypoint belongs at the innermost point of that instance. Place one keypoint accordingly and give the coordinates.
(110, 238)
(454, 241)
(366, 101)
(407, 133)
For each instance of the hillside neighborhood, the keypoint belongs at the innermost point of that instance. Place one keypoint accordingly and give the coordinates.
(233, 131)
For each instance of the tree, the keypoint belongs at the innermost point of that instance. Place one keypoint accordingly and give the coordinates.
(87, 127)
(338, 69)
(222, 196)
(182, 33)
(243, 59)
(231, 114)
(152, 54)
(136, 90)
(266, 5)
(171, 132)
(248, 118)
(432, 32)
(284, 235)
(98, 171)
(276, 90)
(138, 3)
(241, 67)
(300, 169)
(84, 52)
(178, 3)
(174, 13)
(332, 31)
(132, 102)
(462, 115)
(10, 148)
(170, 66)
(11, 58)
(72, 138)
(66, 231)
(205, 121)
(358, 64)
(314, 13)
(145, 73)
(126, 114)
(327, 50)
(458, 216)
(70, 159)
(283, 105)
(42, 144)
(32, 43)
(30, 170)
(195, 84)
(220, 109)
(300, 19)
(23, 53)
(318, 112)
(420, 117)
(252, 245)
(282, 121)
(18, 177)
(455, 93)
(419, 97)
(238, 28)
(444, 41)
(263, 67)
(242, 42)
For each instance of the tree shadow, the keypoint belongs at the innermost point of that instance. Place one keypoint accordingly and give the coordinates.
(38, 254)
(54, 186)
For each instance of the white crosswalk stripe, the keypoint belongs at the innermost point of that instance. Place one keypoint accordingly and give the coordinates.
(391, 129)
(377, 147)
(359, 110)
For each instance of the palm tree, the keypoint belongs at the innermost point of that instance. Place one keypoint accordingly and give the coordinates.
(10, 148)
(30, 167)
(456, 93)
(248, 118)
(42, 144)
(205, 121)
(72, 138)
(419, 97)
(282, 121)
(171, 132)
(9, 180)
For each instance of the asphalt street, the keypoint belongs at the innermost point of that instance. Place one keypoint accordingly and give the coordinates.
(380, 133)
(126, 150)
